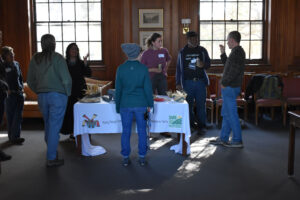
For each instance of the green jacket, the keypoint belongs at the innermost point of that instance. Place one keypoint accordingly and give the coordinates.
(133, 86)
(50, 76)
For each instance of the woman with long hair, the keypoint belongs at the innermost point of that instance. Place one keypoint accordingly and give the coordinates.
(78, 70)
(157, 59)
(48, 76)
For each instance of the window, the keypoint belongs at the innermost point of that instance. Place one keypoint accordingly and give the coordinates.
(219, 17)
(70, 21)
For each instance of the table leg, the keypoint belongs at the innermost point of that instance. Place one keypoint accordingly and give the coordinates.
(79, 144)
(184, 145)
(291, 155)
(178, 137)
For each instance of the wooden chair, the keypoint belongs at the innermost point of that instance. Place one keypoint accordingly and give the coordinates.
(240, 100)
(268, 103)
(290, 93)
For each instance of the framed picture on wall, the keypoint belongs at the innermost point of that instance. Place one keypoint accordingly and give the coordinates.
(145, 34)
(151, 18)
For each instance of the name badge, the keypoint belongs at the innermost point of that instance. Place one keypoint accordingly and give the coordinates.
(161, 55)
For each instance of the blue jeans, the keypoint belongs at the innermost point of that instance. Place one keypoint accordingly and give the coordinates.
(127, 117)
(53, 106)
(196, 91)
(14, 109)
(230, 115)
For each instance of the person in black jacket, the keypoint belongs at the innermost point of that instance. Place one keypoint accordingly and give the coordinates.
(78, 70)
(14, 102)
(3, 95)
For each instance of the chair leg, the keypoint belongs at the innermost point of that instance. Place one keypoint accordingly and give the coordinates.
(245, 112)
(256, 114)
(284, 113)
(212, 114)
(272, 113)
(217, 115)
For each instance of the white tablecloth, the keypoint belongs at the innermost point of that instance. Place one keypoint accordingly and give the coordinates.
(101, 118)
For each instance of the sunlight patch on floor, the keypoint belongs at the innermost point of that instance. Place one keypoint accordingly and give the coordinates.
(3, 135)
(159, 143)
(200, 150)
(136, 191)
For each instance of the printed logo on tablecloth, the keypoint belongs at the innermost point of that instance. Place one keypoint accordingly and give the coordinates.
(90, 123)
(175, 121)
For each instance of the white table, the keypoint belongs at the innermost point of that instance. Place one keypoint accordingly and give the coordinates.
(101, 118)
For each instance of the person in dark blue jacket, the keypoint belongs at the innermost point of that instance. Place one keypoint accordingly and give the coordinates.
(191, 77)
(15, 100)
(133, 98)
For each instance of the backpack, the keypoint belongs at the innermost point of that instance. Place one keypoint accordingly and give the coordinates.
(270, 88)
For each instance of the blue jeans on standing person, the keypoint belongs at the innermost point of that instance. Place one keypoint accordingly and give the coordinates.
(230, 115)
(52, 106)
(127, 117)
(14, 108)
(196, 91)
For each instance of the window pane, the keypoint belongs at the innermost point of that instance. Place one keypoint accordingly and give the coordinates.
(41, 29)
(244, 29)
(218, 31)
(208, 46)
(55, 30)
(55, 14)
(81, 12)
(37, 1)
(67, 0)
(69, 32)
(243, 9)
(65, 45)
(257, 31)
(218, 11)
(95, 31)
(205, 31)
(54, 0)
(68, 12)
(96, 51)
(83, 48)
(81, 32)
(231, 11)
(256, 11)
(256, 50)
(42, 12)
(230, 27)
(246, 47)
(205, 11)
(58, 48)
(39, 47)
(216, 49)
(94, 12)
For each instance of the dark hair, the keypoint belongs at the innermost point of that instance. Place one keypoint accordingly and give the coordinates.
(235, 35)
(152, 38)
(68, 51)
(191, 34)
(48, 47)
(5, 51)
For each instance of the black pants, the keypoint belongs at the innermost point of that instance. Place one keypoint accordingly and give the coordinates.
(159, 84)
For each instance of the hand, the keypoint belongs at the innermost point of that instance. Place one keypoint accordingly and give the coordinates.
(200, 64)
(156, 70)
(85, 58)
(179, 87)
(222, 48)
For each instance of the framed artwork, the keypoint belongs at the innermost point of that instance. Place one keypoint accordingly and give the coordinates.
(145, 34)
(151, 18)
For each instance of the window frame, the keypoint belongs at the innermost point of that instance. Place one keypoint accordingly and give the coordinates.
(265, 13)
(34, 40)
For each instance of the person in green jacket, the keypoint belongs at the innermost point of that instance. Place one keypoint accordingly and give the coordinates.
(133, 98)
(48, 76)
